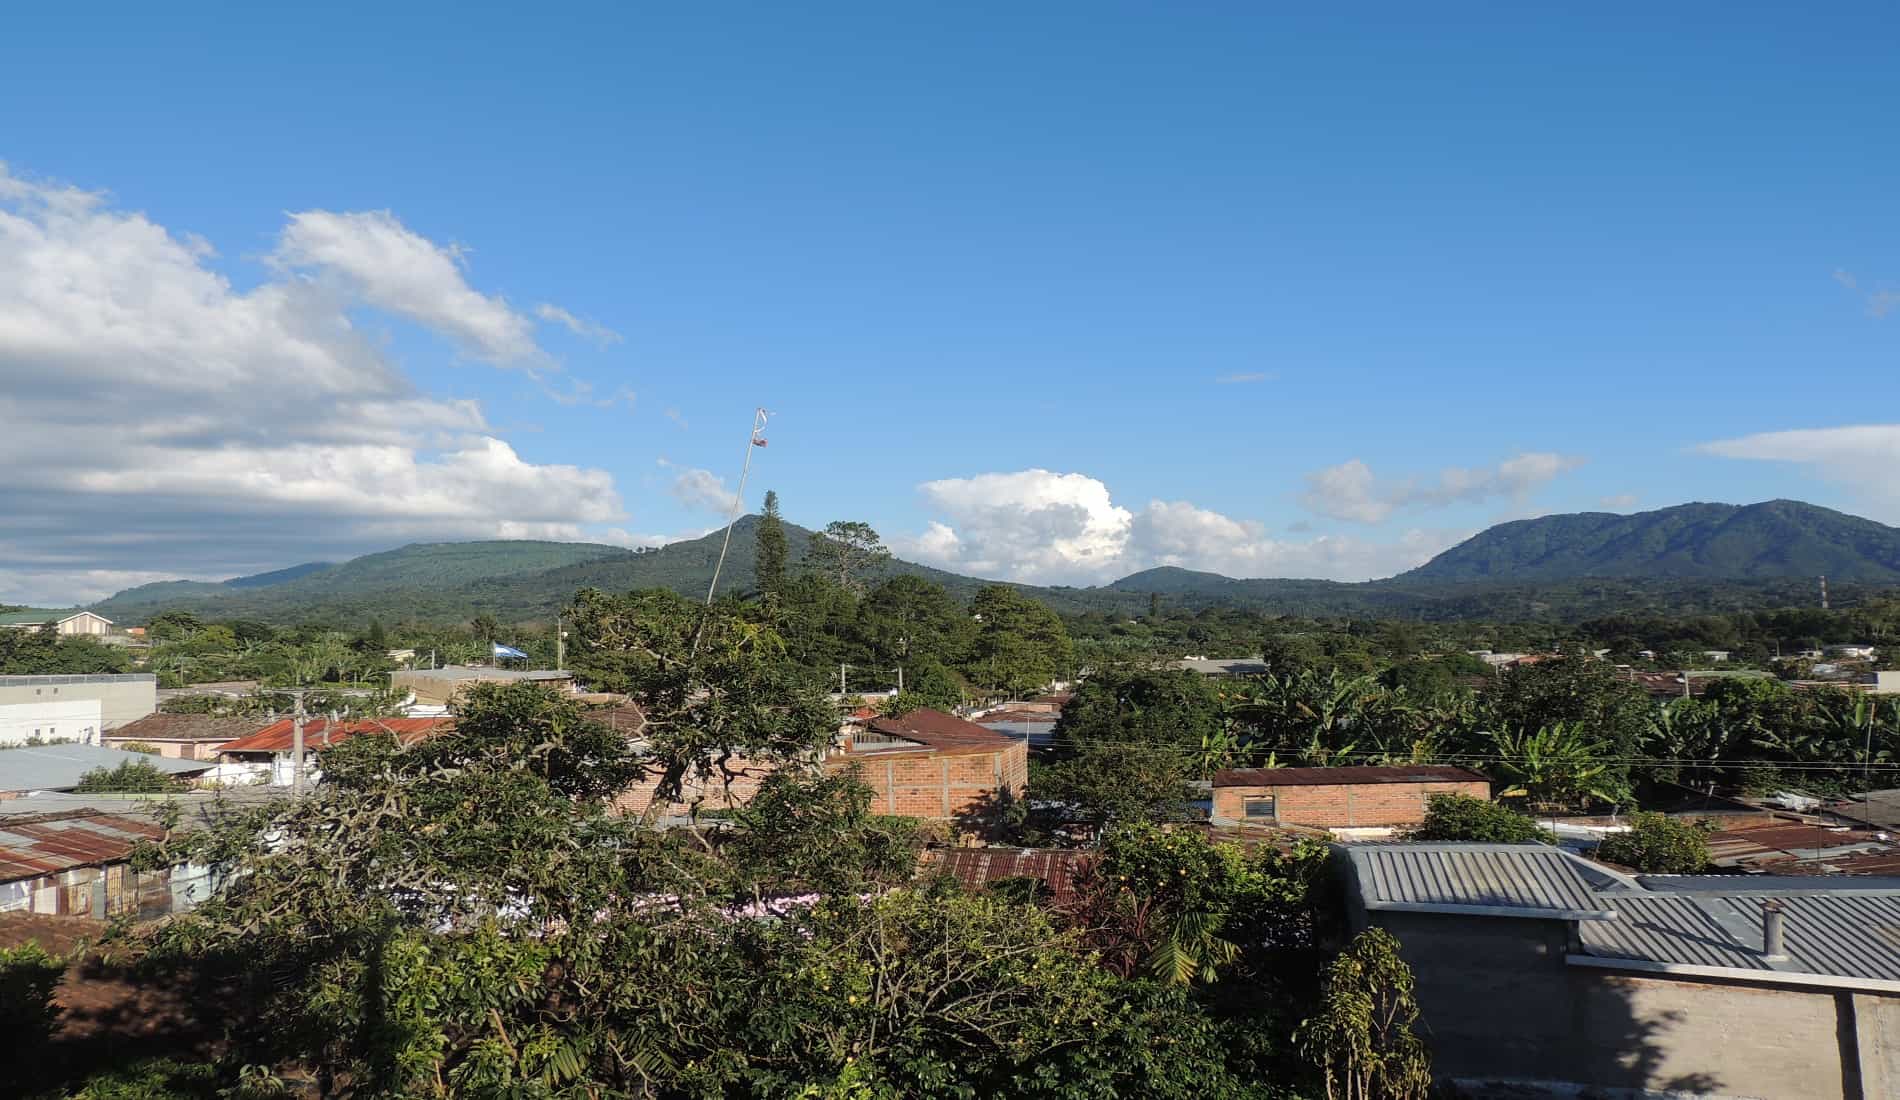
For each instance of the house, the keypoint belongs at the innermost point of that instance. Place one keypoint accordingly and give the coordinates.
(440, 686)
(75, 863)
(1540, 973)
(270, 752)
(59, 622)
(926, 764)
(935, 766)
(1715, 656)
(1852, 652)
(115, 699)
(1338, 798)
(183, 736)
(32, 768)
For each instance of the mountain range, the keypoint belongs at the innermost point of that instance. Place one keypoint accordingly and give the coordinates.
(1685, 559)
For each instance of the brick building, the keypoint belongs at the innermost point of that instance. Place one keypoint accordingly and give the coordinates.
(935, 766)
(1338, 798)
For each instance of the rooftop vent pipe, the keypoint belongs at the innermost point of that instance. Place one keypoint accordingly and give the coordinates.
(1773, 935)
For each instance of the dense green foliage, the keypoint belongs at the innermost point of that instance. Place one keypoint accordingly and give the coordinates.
(1659, 845)
(133, 776)
(41, 653)
(462, 917)
(1141, 706)
(1461, 817)
(28, 978)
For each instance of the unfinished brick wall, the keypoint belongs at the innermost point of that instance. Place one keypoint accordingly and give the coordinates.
(940, 786)
(1344, 805)
(715, 793)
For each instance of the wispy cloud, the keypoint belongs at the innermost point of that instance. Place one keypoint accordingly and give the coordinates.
(1243, 379)
(600, 334)
(1861, 457)
(1350, 491)
(676, 417)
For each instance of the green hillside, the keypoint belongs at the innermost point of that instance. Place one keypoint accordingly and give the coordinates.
(1781, 538)
(1698, 558)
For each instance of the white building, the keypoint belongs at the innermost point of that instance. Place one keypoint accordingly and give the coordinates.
(59, 622)
(76, 720)
(114, 699)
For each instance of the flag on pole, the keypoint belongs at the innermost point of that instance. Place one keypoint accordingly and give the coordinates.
(759, 442)
(507, 651)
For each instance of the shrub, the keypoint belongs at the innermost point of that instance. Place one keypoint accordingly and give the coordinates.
(1462, 817)
(28, 977)
(1659, 845)
(136, 776)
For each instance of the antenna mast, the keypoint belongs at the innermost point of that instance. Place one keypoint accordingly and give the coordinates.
(738, 498)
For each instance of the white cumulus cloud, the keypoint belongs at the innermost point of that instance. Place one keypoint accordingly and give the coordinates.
(1040, 526)
(160, 421)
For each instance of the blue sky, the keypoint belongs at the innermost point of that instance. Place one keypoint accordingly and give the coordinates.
(1050, 291)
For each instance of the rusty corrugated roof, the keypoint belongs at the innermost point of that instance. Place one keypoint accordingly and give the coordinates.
(46, 844)
(933, 729)
(320, 732)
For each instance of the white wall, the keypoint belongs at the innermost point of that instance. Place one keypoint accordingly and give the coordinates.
(65, 720)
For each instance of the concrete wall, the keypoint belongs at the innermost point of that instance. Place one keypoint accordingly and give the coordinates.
(54, 720)
(1502, 1009)
(1343, 805)
(121, 699)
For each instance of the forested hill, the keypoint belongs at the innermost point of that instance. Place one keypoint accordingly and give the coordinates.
(1777, 539)
(451, 581)
(1697, 558)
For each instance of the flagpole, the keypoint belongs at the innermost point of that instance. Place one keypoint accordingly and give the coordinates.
(738, 499)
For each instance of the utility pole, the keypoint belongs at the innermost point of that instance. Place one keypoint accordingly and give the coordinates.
(900, 679)
(1824, 592)
(560, 645)
(841, 689)
(296, 744)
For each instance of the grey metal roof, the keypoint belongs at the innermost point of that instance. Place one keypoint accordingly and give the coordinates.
(1852, 934)
(58, 767)
(1839, 927)
(1514, 879)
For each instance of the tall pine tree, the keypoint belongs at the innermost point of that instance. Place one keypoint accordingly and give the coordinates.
(770, 566)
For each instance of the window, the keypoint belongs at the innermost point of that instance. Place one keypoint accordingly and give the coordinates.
(1257, 808)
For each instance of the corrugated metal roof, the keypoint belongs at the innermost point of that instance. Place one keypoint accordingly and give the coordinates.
(59, 767)
(1057, 867)
(936, 731)
(49, 843)
(1509, 877)
(320, 733)
(1839, 927)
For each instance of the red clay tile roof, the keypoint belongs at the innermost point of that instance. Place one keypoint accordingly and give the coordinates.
(44, 844)
(187, 727)
(1327, 777)
(943, 732)
(318, 732)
